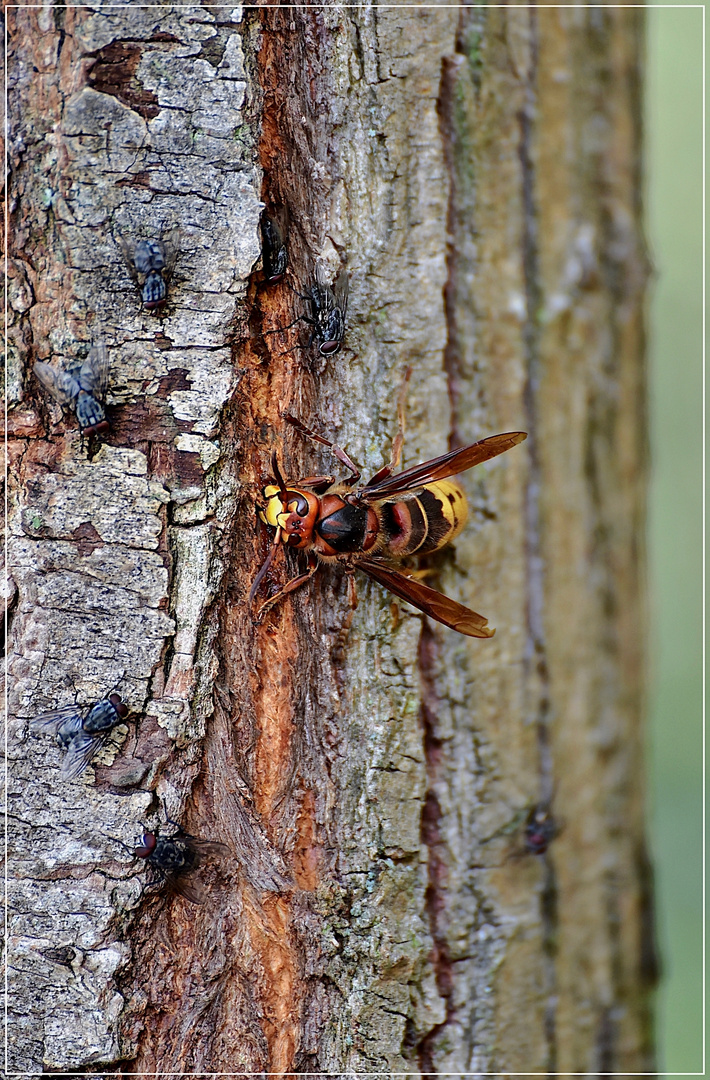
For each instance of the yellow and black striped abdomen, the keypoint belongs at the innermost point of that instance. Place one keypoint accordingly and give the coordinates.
(424, 522)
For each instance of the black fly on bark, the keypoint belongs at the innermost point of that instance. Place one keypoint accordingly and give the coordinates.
(328, 310)
(329, 307)
(274, 252)
(82, 386)
(151, 264)
(540, 830)
(81, 736)
(174, 859)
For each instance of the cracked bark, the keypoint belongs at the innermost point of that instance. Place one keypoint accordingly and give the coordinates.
(479, 170)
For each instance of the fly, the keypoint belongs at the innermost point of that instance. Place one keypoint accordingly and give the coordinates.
(274, 252)
(81, 736)
(328, 309)
(151, 264)
(81, 386)
(174, 859)
(540, 830)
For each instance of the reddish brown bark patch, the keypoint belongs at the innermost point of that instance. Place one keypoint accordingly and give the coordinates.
(24, 423)
(244, 954)
(150, 426)
(308, 851)
(282, 988)
(38, 456)
(274, 701)
(114, 72)
(87, 538)
(147, 420)
(176, 378)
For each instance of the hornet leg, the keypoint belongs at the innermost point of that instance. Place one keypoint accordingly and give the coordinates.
(295, 583)
(335, 450)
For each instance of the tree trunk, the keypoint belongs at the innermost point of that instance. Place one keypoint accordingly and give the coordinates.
(372, 771)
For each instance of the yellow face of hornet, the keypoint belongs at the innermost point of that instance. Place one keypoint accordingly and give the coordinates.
(294, 511)
(274, 513)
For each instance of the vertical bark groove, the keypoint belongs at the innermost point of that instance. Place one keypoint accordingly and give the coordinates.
(436, 854)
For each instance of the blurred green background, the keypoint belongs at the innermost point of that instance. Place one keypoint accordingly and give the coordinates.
(674, 160)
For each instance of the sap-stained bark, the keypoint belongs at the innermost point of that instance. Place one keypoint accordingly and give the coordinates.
(477, 171)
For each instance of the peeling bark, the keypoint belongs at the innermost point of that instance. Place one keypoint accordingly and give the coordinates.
(477, 170)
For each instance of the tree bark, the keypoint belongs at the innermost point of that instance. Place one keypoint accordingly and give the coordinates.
(478, 168)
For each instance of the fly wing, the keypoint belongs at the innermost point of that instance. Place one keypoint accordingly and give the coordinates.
(93, 375)
(341, 288)
(53, 719)
(208, 848)
(327, 299)
(321, 276)
(192, 890)
(171, 244)
(439, 468)
(82, 749)
(282, 220)
(431, 602)
(128, 251)
(270, 224)
(61, 385)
